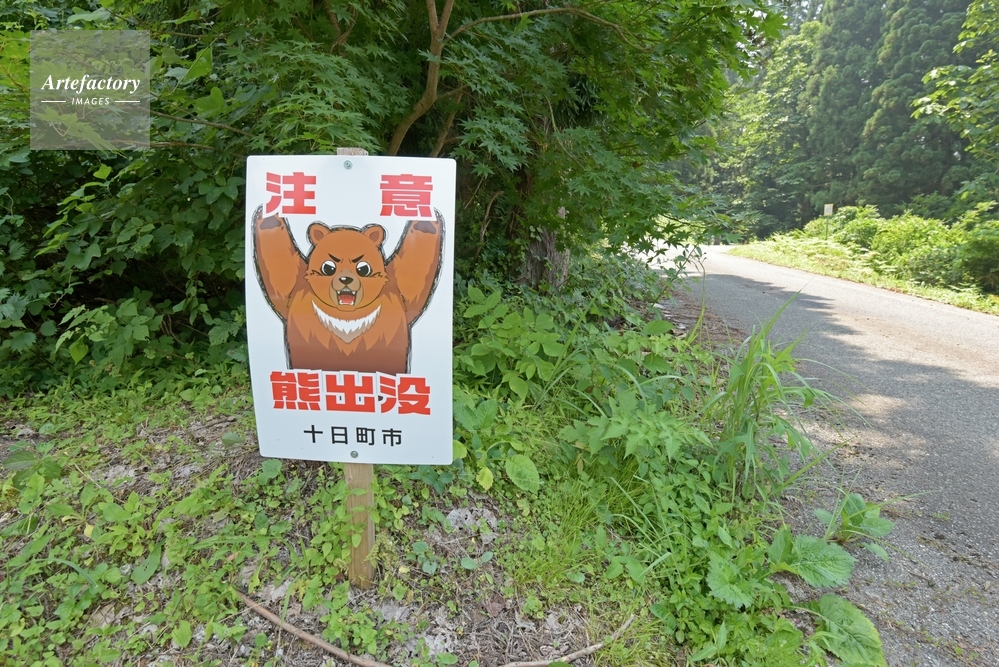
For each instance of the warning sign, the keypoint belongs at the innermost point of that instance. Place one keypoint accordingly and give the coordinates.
(349, 266)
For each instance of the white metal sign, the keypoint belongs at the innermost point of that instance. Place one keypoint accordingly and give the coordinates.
(349, 266)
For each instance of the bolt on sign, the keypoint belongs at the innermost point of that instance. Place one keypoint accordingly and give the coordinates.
(349, 272)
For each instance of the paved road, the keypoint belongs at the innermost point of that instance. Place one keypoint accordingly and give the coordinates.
(924, 377)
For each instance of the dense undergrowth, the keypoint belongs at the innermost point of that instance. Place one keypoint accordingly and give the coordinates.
(956, 263)
(632, 471)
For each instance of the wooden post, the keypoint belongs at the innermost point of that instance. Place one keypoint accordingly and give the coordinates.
(361, 571)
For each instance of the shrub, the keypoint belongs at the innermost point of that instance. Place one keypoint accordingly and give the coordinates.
(978, 256)
(851, 225)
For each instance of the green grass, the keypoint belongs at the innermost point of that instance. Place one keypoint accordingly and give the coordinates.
(612, 471)
(830, 258)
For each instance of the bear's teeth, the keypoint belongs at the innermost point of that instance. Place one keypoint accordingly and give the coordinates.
(346, 330)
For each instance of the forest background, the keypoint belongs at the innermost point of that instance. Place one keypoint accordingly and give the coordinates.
(886, 111)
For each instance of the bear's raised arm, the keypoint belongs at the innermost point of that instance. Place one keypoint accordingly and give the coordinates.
(280, 266)
(416, 264)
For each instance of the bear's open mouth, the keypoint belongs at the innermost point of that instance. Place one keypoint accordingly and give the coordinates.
(345, 297)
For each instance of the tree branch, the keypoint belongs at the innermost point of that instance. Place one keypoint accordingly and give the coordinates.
(438, 28)
(178, 144)
(556, 10)
(197, 121)
(578, 654)
(306, 637)
(442, 137)
(364, 662)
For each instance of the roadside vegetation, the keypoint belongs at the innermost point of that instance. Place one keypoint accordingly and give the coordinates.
(956, 264)
(604, 468)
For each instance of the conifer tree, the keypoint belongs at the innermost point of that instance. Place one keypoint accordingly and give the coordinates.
(900, 157)
(837, 101)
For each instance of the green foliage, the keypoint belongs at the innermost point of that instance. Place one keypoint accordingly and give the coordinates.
(544, 108)
(829, 119)
(857, 520)
(617, 461)
(916, 249)
(751, 408)
(964, 94)
(846, 633)
(978, 256)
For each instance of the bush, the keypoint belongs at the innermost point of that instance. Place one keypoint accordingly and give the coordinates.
(851, 225)
(978, 256)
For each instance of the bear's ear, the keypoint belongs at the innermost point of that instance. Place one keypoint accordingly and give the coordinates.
(376, 233)
(317, 231)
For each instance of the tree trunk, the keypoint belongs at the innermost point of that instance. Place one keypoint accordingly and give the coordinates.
(545, 263)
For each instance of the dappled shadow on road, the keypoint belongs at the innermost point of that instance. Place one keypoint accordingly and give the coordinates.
(939, 426)
(925, 429)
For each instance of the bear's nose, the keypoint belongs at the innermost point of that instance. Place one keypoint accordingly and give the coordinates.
(346, 280)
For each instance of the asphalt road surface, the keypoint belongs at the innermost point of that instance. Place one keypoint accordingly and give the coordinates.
(923, 378)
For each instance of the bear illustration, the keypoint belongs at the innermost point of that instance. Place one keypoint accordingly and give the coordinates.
(344, 306)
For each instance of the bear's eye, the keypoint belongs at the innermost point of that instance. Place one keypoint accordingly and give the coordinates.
(328, 268)
(363, 269)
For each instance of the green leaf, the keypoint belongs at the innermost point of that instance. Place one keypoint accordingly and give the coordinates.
(78, 350)
(875, 526)
(231, 438)
(182, 634)
(657, 328)
(522, 472)
(705, 653)
(103, 172)
(147, 568)
(825, 517)
(458, 450)
(636, 569)
(847, 633)
(780, 548)
(820, 563)
(469, 563)
(722, 637)
(208, 105)
(476, 295)
(101, 14)
(269, 469)
(49, 469)
(485, 478)
(429, 566)
(575, 577)
(726, 583)
(519, 386)
(655, 363)
(877, 550)
(20, 460)
(202, 65)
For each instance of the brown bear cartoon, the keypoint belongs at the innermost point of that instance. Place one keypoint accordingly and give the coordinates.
(344, 306)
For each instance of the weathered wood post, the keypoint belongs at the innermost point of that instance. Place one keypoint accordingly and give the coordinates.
(360, 498)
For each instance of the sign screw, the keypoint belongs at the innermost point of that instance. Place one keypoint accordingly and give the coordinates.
(353, 455)
(347, 164)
